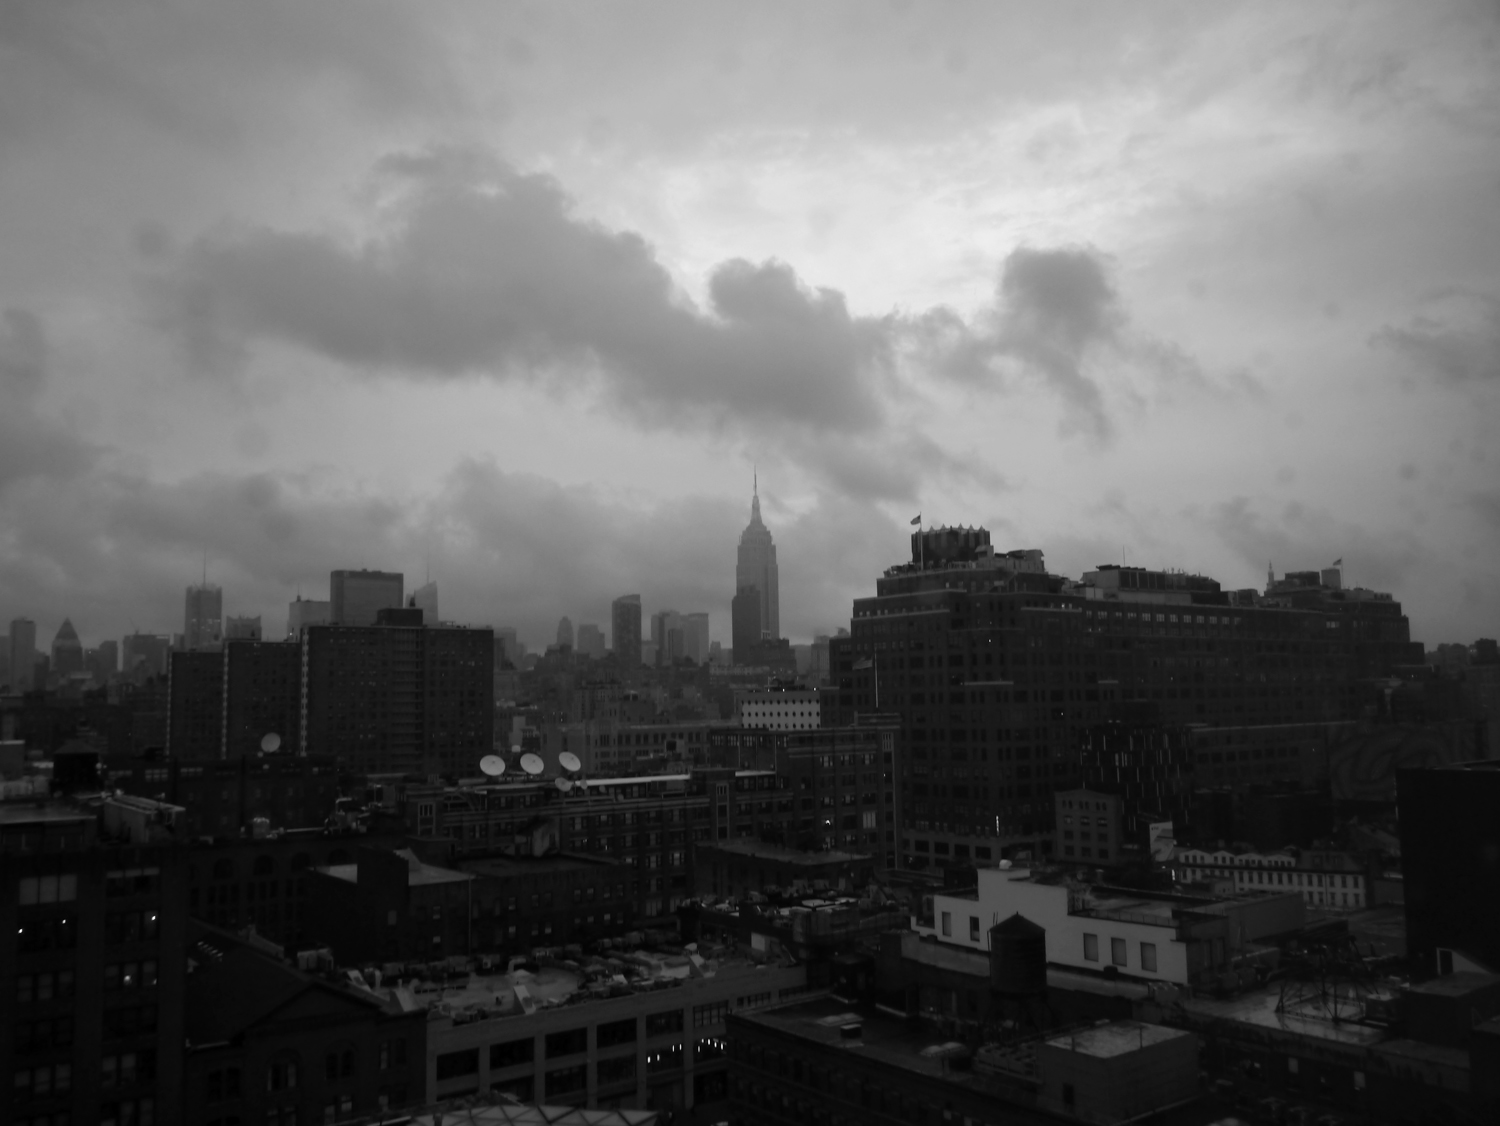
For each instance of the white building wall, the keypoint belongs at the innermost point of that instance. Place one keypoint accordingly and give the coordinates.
(1254, 871)
(1004, 892)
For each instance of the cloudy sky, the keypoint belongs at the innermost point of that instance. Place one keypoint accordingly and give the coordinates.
(519, 295)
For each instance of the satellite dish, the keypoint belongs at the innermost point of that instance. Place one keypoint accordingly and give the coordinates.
(532, 764)
(270, 742)
(569, 762)
(493, 765)
(563, 784)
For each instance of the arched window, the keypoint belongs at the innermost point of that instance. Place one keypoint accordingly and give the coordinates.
(281, 1075)
(224, 869)
(339, 1062)
(265, 866)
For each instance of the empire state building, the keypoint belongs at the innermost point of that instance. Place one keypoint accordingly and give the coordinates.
(757, 568)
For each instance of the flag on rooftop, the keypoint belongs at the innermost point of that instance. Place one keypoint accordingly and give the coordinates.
(1339, 562)
(917, 519)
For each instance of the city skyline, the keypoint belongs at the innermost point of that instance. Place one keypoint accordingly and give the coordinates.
(1203, 288)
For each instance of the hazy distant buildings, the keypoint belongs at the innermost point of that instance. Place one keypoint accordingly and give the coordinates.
(625, 630)
(103, 662)
(695, 637)
(67, 651)
(203, 616)
(306, 612)
(145, 655)
(242, 628)
(565, 633)
(745, 624)
(508, 645)
(590, 641)
(425, 599)
(667, 638)
(22, 655)
(756, 567)
(355, 597)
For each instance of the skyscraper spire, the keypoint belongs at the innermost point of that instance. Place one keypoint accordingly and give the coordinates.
(756, 567)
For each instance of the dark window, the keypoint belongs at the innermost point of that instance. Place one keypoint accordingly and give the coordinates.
(451, 1065)
(512, 1052)
(616, 1032)
(664, 1024)
(563, 1080)
(569, 1042)
(523, 1088)
(618, 1070)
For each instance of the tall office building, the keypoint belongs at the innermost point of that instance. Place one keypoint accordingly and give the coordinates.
(104, 661)
(667, 637)
(94, 945)
(590, 641)
(565, 633)
(1450, 861)
(999, 672)
(306, 612)
(744, 624)
(625, 630)
(67, 651)
(145, 655)
(508, 645)
(425, 599)
(394, 698)
(756, 567)
(203, 619)
(355, 597)
(695, 637)
(242, 628)
(22, 655)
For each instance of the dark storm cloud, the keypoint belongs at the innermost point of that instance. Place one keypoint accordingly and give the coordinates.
(30, 444)
(479, 269)
(1058, 319)
(502, 277)
(1055, 307)
(1457, 338)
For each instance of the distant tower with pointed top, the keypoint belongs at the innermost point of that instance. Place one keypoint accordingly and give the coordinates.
(756, 567)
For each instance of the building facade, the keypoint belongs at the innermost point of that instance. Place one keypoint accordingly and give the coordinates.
(93, 948)
(625, 631)
(778, 708)
(1450, 862)
(22, 655)
(356, 597)
(400, 699)
(999, 670)
(755, 567)
(203, 617)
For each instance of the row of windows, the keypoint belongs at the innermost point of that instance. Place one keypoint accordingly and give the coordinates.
(43, 1082)
(47, 889)
(44, 986)
(1119, 952)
